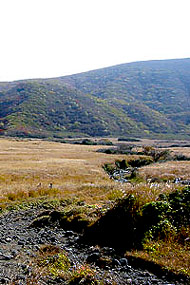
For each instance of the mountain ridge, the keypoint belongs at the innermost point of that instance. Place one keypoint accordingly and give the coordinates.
(148, 98)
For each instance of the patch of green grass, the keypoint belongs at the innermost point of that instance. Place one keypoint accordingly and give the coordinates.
(52, 261)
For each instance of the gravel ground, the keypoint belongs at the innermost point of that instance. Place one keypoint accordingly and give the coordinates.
(19, 243)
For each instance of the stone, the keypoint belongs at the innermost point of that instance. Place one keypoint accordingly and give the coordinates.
(52, 239)
(115, 262)
(123, 261)
(108, 250)
(14, 253)
(129, 281)
(6, 257)
(93, 257)
(4, 280)
(69, 233)
(8, 239)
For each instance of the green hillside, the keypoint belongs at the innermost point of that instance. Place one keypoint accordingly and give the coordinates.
(136, 99)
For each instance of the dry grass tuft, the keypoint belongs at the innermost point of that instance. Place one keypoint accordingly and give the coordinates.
(171, 256)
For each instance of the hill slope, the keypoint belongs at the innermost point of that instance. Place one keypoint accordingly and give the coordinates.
(135, 99)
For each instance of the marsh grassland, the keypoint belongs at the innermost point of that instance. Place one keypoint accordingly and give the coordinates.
(73, 170)
(28, 167)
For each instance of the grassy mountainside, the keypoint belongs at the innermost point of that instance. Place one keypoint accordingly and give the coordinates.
(140, 99)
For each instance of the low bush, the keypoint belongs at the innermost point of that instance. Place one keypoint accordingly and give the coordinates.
(141, 161)
(165, 219)
(157, 154)
(120, 149)
(109, 168)
(154, 212)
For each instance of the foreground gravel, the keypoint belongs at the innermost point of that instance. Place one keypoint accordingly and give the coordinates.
(19, 243)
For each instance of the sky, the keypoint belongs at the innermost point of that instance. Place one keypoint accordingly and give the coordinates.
(50, 38)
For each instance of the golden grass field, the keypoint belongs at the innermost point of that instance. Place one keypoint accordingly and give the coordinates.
(75, 171)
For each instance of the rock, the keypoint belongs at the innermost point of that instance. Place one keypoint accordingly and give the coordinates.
(52, 239)
(14, 237)
(115, 262)
(8, 239)
(129, 281)
(75, 239)
(21, 277)
(147, 274)
(69, 233)
(21, 242)
(129, 268)
(8, 257)
(140, 279)
(108, 250)
(29, 239)
(177, 180)
(14, 253)
(93, 257)
(123, 261)
(185, 182)
(23, 266)
(155, 281)
(4, 280)
(49, 232)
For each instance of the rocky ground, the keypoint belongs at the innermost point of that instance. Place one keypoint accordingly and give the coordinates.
(20, 243)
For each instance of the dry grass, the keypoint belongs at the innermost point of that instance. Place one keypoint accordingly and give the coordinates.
(171, 256)
(74, 170)
(167, 171)
(181, 150)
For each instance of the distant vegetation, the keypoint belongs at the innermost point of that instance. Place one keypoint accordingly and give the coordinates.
(143, 99)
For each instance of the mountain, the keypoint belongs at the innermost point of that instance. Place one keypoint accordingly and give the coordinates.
(141, 99)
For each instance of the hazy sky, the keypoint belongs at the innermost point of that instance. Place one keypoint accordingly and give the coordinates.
(48, 38)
